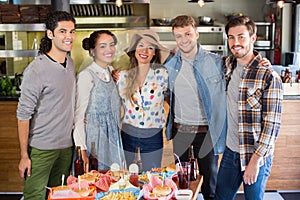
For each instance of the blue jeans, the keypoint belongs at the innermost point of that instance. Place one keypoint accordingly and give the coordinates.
(151, 149)
(230, 178)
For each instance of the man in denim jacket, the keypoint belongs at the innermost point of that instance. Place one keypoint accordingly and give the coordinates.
(197, 102)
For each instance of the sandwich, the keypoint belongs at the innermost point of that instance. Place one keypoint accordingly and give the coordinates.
(162, 190)
(60, 188)
(84, 192)
(90, 177)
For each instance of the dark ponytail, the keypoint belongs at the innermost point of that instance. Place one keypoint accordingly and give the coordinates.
(51, 23)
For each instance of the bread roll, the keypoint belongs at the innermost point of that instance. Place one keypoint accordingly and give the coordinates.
(161, 190)
(84, 192)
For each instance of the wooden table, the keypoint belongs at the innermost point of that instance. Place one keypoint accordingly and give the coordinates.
(195, 186)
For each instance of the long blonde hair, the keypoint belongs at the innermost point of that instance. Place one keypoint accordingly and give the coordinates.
(132, 84)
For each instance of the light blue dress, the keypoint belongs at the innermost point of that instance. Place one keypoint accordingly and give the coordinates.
(103, 123)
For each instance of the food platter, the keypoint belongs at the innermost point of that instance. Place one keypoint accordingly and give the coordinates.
(129, 194)
(105, 187)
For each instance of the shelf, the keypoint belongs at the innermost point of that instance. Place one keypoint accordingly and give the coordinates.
(86, 23)
(18, 53)
(110, 20)
(214, 47)
(215, 39)
(263, 23)
(269, 36)
(200, 29)
(210, 29)
(22, 27)
(172, 45)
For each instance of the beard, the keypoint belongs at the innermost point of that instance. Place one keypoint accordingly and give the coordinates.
(244, 51)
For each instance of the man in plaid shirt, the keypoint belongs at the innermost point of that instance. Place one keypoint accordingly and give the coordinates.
(254, 99)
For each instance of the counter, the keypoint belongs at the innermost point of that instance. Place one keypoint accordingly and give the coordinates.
(284, 175)
(9, 98)
(10, 180)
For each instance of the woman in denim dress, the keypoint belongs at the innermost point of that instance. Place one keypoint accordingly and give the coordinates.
(98, 105)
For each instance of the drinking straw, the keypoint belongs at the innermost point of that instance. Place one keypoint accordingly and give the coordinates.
(178, 162)
(79, 187)
(87, 168)
(62, 180)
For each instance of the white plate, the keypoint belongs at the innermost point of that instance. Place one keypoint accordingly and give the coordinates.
(262, 43)
(183, 194)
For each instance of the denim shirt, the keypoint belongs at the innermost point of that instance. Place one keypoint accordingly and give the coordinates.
(209, 75)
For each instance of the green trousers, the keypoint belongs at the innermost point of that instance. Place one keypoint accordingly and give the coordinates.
(47, 167)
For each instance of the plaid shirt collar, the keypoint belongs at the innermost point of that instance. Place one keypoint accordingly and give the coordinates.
(231, 63)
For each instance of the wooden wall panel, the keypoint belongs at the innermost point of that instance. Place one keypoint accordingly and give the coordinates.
(10, 180)
(285, 173)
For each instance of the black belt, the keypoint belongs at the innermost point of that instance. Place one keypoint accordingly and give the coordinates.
(191, 128)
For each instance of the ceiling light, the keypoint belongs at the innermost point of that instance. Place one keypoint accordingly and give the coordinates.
(119, 3)
(280, 4)
(201, 3)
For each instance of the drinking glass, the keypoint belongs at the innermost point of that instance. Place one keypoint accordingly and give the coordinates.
(184, 175)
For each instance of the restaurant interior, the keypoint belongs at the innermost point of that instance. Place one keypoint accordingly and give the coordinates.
(278, 39)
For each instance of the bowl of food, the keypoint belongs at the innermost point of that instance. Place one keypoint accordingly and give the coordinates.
(205, 20)
(233, 15)
(162, 21)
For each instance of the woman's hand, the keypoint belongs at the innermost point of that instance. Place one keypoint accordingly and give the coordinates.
(85, 159)
(115, 74)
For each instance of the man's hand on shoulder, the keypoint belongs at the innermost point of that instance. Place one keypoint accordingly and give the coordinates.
(265, 62)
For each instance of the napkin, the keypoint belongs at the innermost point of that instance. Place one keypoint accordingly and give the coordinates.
(61, 194)
(153, 182)
(115, 186)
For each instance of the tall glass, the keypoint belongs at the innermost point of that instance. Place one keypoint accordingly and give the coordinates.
(184, 175)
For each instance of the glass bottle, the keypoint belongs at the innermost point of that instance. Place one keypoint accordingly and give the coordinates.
(138, 160)
(134, 178)
(193, 174)
(93, 161)
(78, 163)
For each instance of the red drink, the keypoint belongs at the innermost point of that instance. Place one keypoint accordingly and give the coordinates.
(134, 180)
(93, 161)
(184, 175)
(183, 180)
(78, 163)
